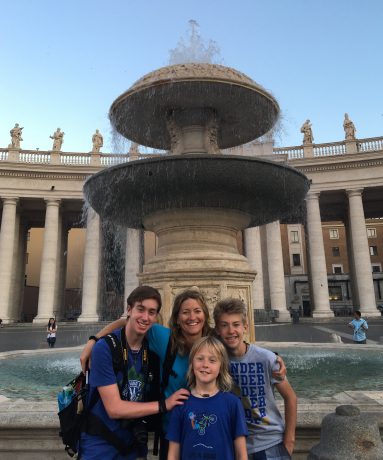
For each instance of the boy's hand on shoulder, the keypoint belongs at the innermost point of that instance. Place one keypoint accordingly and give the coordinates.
(281, 373)
(177, 398)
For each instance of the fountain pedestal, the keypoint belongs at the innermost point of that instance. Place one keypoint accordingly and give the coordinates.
(199, 247)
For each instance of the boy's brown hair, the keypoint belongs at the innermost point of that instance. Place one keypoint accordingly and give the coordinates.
(230, 306)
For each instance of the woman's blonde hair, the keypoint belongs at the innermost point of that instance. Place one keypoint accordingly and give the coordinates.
(224, 380)
(176, 336)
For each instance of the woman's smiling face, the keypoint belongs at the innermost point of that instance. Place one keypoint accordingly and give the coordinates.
(191, 318)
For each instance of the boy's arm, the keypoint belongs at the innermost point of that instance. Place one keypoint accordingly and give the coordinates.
(290, 400)
(116, 408)
(239, 448)
(87, 350)
(174, 451)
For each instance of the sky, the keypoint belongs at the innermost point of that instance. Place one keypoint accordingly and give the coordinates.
(63, 63)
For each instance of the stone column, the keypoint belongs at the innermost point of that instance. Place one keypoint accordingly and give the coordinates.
(361, 255)
(276, 271)
(91, 288)
(317, 259)
(61, 272)
(253, 253)
(132, 261)
(48, 276)
(21, 268)
(7, 261)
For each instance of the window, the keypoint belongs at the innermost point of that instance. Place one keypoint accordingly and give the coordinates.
(371, 232)
(334, 234)
(294, 236)
(296, 260)
(373, 250)
(337, 269)
(28, 236)
(335, 293)
(376, 268)
(335, 251)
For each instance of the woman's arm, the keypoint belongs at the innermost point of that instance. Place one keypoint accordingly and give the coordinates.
(239, 448)
(174, 451)
(87, 350)
(290, 400)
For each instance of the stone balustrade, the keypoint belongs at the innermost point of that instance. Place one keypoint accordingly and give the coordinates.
(110, 159)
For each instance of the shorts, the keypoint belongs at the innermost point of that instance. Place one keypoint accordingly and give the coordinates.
(278, 452)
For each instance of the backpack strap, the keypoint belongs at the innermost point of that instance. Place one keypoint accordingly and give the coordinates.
(167, 369)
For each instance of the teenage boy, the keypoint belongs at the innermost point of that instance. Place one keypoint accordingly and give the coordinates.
(120, 406)
(251, 368)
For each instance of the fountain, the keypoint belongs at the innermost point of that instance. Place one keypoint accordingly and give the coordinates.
(195, 198)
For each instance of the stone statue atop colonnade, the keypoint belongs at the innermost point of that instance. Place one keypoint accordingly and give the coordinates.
(16, 138)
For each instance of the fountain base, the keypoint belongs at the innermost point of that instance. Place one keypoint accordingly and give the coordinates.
(199, 247)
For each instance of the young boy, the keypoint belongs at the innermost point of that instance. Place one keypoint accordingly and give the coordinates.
(121, 404)
(251, 367)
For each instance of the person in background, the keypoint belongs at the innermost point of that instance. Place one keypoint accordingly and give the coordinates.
(360, 326)
(252, 368)
(211, 423)
(51, 330)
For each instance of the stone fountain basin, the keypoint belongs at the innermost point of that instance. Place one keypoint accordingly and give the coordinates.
(264, 190)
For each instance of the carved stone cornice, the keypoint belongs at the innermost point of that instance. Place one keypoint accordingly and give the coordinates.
(312, 168)
(44, 175)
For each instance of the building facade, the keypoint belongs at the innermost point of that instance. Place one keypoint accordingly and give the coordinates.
(58, 260)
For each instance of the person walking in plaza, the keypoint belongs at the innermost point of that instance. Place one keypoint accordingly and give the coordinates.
(211, 423)
(189, 321)
(252, 367)
(51, 330)
(115, 428)
(360, 326)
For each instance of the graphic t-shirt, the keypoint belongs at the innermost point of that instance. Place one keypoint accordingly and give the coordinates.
(206, 428)
(102, 374)
(255, 384)
(359, 333)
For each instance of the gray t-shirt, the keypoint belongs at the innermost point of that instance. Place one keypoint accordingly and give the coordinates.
(252, 377)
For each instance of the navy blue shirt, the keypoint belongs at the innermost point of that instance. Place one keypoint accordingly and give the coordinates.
(206, 428)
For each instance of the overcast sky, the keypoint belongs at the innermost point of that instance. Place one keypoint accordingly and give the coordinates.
(63, 63)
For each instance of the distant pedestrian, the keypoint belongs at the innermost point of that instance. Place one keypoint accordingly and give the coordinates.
(51, 330)
(360, 327)
(1, 322)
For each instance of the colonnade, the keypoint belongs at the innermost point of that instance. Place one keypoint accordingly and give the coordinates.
(262, 245)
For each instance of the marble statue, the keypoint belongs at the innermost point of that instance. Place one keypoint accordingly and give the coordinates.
(211, 136)
(58, 139)
(16, 136)
(349, 128)
(175, 135)
(133, 150)
(97, 140)
(308, 137)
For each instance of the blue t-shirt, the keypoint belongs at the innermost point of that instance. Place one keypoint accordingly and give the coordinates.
(206, 428)
(158, 337)
(102, 374)
(359, 326)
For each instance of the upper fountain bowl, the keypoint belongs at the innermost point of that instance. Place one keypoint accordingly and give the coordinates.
(245, 110)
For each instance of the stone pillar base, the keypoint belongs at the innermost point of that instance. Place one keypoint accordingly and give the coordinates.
(41, 319)
(370, 313)
(283, 317)
(87, 319)
(323, 314)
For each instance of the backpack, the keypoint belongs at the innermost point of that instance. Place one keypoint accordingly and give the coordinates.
(77, 417)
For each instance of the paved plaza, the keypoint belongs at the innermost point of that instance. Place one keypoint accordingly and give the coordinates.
(30, 336)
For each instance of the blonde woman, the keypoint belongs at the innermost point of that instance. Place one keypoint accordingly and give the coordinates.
(212, 420)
